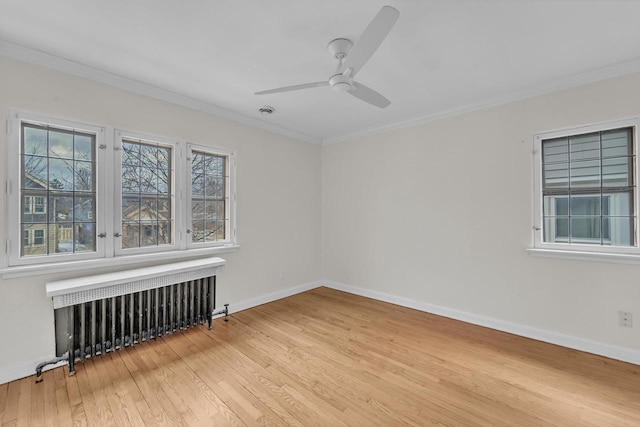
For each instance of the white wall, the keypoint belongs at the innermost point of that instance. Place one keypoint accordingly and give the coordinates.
(439, 215)
(278, 211)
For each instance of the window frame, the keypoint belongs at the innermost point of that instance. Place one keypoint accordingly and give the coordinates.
(538, 194)
(108, 187)
(176, 183)
(13, 194)
(230, 189)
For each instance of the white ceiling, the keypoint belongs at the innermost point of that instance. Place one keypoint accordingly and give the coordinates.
(441, 56)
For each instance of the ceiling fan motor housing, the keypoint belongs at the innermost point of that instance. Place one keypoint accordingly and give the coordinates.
(340, 83)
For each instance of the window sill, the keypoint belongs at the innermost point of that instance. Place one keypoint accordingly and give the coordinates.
(70, 266)
(585, 256)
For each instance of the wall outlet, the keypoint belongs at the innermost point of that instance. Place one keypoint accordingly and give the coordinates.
(625, 319)
(283, 274)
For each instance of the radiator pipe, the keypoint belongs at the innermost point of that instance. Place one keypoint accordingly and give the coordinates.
(53, 361)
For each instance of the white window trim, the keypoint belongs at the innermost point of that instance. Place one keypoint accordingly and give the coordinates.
(106, 255)
(232, 237)
(624, 254)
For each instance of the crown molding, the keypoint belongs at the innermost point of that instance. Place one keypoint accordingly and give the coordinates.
(616, 70)
(44, 59)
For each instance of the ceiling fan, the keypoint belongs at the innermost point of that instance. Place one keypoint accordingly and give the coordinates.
(350, 61)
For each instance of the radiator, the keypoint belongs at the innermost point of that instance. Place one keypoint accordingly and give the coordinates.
(112, 311)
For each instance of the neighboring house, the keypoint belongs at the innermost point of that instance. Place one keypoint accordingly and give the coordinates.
(50, 229)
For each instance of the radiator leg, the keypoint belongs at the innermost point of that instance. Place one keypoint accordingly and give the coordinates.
(172, 304)
(113, 323)
(83, 331)
(210, 302)
(178, 306)
(72, 349)
(93, 329)
(103, 326)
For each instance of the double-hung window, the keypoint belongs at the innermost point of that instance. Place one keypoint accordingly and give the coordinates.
(77, 192)
(586, 189)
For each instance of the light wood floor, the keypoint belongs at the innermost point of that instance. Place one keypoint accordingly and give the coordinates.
(328, 358)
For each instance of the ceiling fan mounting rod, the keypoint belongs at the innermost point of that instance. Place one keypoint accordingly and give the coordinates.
(339, 48)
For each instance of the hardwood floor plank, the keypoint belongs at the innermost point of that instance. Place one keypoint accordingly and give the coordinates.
(328, 358)
(24, 402)
(4, 388)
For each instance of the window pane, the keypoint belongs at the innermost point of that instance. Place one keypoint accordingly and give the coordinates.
(61, 174)
(130, 153)
(556, 229)
(584, 147)
(83, 179)
(34, 141)
(555, 150)
(61, 208)
(209, 187)
(130, 234)
(86, 237)
(197, 231)
(130, 208)
(556, 175)
(617, 143)
(618, 204)
(83, 147)
(585, 174)
(197, 209)
(61, 144)
(214, 230)
(148, 180)
(146, 190)
(618, 231)
(130, 179)
(36, 245)
(556, 205)
(149, 235)
(585, 230)
(34, 172)
(585, 205)
(197, 184)
(58, 191)
(615, 172)
(164, 232)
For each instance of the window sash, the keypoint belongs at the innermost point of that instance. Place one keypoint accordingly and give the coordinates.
(211, 210)
(558, 175)
(152, 234)
(28, 208)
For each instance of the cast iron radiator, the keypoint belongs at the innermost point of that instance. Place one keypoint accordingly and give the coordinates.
(112, 311)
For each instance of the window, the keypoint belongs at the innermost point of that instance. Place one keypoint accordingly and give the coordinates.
(85, 192)
(57, 168)
(38, 237)
(586, 182)
(209, 197)
(147, 192)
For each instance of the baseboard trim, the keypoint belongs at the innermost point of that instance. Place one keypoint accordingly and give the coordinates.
(607, 350)
(273, 296)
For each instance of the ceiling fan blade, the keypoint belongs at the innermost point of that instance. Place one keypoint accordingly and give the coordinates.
(371, 39)
(369, 95)
(294, 87)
